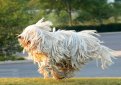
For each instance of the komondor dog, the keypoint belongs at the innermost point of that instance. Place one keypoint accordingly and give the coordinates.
(60, 53)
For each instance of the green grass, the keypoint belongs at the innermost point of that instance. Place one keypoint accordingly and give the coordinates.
(72, 81)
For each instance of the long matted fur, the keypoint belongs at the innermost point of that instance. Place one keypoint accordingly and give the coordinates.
(59, 54)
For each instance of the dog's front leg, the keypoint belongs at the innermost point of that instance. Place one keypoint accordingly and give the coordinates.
(43, 70)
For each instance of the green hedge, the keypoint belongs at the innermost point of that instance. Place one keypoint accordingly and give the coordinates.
(13, 58)
(99, 28)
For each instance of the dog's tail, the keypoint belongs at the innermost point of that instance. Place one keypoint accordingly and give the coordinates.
(97, 50)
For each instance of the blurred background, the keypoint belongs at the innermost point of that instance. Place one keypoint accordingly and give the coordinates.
(15, 15)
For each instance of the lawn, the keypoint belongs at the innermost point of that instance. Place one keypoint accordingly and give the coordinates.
(72, 81)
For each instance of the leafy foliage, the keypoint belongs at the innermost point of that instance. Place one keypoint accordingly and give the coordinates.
(12, 19)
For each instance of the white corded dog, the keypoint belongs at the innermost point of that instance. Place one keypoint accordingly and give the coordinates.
(60, 53)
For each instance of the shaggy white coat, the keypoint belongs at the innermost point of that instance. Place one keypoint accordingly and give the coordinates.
(63, 48)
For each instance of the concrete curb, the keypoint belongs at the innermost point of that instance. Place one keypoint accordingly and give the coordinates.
(110, 32)
(15, 62)
(117, 53)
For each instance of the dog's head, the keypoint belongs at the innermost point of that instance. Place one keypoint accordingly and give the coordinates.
(31, 36)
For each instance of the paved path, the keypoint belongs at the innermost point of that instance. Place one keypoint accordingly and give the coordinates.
(28, 69)
(112, 40)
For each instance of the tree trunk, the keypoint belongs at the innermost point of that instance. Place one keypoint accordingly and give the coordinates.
(100, 21)
(115, 19)
(69, 10)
